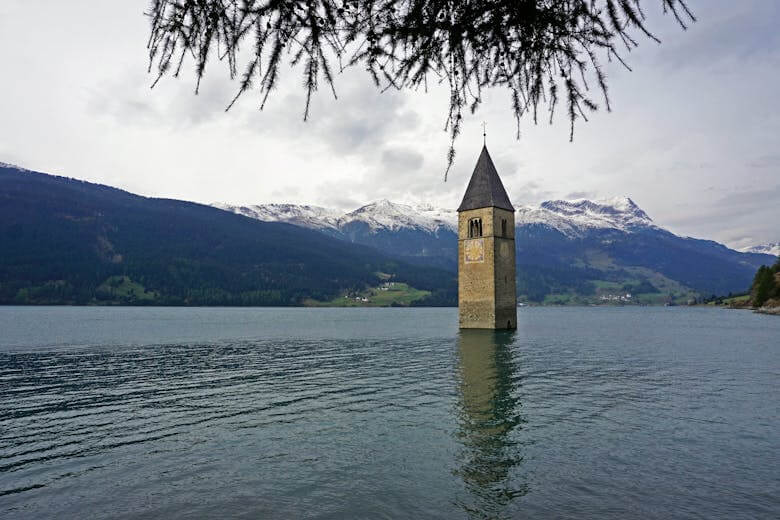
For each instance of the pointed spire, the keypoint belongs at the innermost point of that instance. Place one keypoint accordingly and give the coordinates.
(485, 188)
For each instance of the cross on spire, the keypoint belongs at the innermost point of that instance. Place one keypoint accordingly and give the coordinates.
(484, 133)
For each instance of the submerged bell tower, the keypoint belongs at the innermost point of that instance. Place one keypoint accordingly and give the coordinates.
(486, 252)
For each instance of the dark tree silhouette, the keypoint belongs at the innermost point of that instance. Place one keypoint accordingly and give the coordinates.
(540, 50)
(766, 285)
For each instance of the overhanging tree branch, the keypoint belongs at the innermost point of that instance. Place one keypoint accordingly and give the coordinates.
(533, 48)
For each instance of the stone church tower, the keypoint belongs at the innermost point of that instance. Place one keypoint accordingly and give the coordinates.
(486, 252)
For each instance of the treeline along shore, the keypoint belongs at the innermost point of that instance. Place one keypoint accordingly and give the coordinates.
(764, 296)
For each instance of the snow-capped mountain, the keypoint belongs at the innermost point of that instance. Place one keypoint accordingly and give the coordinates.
(418, 233)
(576, 217)
(574, 251)
(562, 246)
(313, 217)
(389, 216)
(772, 248)
(381, 215)
(572, 218)
(13, 167)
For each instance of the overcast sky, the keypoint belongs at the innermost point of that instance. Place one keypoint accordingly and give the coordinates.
(693, 138)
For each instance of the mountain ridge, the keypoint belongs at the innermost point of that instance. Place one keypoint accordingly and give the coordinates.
(617, 212)
(570, 217)
(577, 246)
(770, 248)
(70, 241)
(379, 214)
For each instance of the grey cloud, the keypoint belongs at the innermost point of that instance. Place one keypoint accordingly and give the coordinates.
(402, 159)
(766, 161)
(688, 165)
(128, 111)
(755, 205)
(394, 183)
(725, 31)
(172, 103)
(361, 120)
(528, 193)
(580, 195)
(339, 196)
(735, 218)
(286, 192)
(752, 198)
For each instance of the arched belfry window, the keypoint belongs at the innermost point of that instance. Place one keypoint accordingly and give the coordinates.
(475, 227)
(503, 227)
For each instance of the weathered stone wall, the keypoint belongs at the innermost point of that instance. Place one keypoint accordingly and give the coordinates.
(476, 293)
(486, 271)
(505, 283)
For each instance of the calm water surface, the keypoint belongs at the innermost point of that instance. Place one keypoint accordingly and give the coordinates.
(388, 413)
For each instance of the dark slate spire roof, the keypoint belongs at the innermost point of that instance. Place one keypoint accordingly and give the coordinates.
(485, 188)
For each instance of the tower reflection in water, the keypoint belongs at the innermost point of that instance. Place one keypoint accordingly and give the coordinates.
(489, 420)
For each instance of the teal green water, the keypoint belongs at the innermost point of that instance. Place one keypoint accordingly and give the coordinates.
(388, 413)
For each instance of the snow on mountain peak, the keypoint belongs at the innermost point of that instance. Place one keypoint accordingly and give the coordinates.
(622, 207)
(314, 217)
(13, 167)
(772, 248)
(572, 217)
(378, 215)
(383, 214)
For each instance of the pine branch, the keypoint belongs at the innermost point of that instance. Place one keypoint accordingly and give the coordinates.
(530, 47)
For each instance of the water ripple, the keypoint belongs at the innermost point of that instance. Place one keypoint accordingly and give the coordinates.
(563, 418)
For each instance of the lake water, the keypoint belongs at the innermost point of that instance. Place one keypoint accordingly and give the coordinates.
(388, 413)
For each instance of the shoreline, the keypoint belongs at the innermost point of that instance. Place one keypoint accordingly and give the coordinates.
(767, 310)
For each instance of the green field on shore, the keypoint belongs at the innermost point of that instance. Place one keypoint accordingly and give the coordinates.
(386, 295)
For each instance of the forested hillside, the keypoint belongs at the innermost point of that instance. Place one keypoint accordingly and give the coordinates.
(69, 241)
(651, 262)
(568, 252)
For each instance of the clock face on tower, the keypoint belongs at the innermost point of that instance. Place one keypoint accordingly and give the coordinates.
(474, 251)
